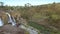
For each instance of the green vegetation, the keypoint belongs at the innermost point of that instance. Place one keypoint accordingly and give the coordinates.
(37, 26)
(43, 29)
(48, 13)
(26, 32)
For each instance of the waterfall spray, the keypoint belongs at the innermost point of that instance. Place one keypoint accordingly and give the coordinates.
(1, 22)
(11, 19)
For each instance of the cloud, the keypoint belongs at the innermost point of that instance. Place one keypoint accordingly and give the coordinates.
(22, 2)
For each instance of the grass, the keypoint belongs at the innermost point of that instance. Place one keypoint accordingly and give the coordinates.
(42, 28)
(35, 25)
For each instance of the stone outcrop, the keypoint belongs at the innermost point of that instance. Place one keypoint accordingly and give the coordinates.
(9, 29)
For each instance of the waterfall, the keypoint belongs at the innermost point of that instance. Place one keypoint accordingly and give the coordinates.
(1, 22)
(11, 19)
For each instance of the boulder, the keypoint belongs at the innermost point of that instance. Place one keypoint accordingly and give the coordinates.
(9, 29)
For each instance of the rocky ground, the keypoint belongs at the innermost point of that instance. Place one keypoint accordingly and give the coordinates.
(9, 29)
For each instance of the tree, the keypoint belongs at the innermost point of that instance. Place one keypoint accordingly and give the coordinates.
(27, 5)
(1, 3)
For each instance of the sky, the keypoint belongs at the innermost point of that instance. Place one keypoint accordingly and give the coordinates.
(32, 2)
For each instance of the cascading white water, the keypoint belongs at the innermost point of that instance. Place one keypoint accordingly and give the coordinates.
(1, 22)
(11, 19)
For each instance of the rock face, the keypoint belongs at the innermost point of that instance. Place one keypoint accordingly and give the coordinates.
(9, 29)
